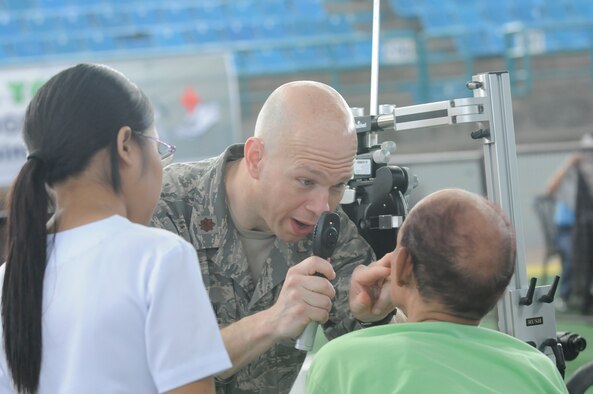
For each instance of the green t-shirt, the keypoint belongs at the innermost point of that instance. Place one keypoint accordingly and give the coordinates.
(431, 357)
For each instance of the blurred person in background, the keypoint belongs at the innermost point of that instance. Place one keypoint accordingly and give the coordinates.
(571, 188)
(93, 300)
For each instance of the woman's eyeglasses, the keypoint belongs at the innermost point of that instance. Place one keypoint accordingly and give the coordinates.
(166, 151)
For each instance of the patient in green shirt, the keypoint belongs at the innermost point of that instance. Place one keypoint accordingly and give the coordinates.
(455, 256)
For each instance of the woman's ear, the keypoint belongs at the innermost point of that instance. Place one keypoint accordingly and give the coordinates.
(124, 144)
(253, 154)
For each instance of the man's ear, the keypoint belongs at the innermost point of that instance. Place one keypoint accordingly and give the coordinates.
(253, 155)
(404, 268)
(124, 144)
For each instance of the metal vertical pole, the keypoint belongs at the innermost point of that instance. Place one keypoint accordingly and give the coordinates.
(531, 320)
(375, 57)
(500, 158)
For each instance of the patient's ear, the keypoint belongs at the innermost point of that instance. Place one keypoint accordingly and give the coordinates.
(404, 269)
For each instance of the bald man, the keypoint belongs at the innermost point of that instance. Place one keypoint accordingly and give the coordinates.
(455, 256)
(250, 212)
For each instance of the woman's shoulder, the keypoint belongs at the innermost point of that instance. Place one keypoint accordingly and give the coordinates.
(153, 236)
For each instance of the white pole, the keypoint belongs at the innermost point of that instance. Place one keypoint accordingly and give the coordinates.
(375, 57)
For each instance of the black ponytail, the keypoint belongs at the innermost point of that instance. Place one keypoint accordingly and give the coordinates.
(23, 282)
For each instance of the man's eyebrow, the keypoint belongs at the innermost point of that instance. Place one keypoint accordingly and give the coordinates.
(312, 170)
(318, 173)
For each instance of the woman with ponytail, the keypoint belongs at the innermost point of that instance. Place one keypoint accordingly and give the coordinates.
(93, 301)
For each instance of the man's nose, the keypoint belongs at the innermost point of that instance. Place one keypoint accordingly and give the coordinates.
(318, 201)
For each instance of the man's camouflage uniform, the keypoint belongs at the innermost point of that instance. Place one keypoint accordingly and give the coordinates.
(193, 205)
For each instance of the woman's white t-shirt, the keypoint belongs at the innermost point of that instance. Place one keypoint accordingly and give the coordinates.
(124, 311)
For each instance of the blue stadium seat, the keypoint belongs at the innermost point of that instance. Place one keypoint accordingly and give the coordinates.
(242, 11)
(18, 5)
(567, 40)
(92, 3)
(360, 17)
(351, 54)
(482, 41)
(110, 17)
(7, 49)
(363, 52)
(9, 25)
(448, 89)
(448, 16)
(144, 16)
(40, 23)
(100, 42)
(245, 62)
(138, 40)
(555, 11)
(271, 28)
(340, 54)
(169, 38)
(204, 33)
(274, 9)
(209, 12)
(52, 4)
(307, 8)
(338, 24)
(26, 46)
(301, 26)
(468, 16)
(311, 58)
(436, 20)
(406, 8)
(74, 21)
(269, 61)
(65, 44)
(265, 61)
(526, 12)
(176, 14)
(497, 13)
(240, 31)
(433, 4)
(586, 9)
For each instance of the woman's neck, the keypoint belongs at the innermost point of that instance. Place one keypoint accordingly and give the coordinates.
(79, 202)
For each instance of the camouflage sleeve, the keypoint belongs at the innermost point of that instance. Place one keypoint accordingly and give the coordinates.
(352, 250)
(173, 211)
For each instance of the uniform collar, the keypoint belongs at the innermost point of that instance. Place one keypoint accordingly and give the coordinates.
(211, 217)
